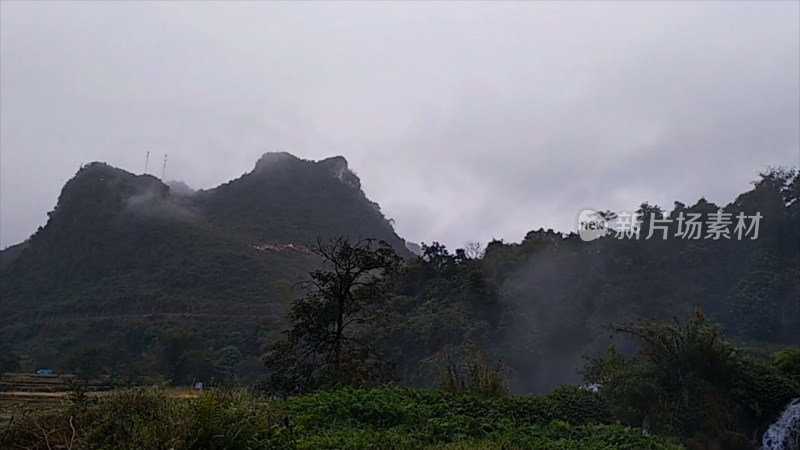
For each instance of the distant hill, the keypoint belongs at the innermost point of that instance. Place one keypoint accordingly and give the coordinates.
(543, 304)
(11, 253)
(120, 246)
(286, 199)
(193, 284)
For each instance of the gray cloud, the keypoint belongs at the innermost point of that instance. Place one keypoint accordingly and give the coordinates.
(465, 121)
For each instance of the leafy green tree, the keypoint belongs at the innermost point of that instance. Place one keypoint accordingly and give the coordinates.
(323, 347)
(755, 304)
(471, 371)
(9, 361)
(441, 301)
(227, 359)
(686, 380)
(788, 361)
(90, 362)
(181, 356)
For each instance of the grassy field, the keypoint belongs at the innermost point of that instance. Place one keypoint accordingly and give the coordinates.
(389, 418)
(23, 393)
(30, 382)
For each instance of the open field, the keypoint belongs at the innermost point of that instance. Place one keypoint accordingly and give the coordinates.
(30, 382)
(389, 417)
(25, 392)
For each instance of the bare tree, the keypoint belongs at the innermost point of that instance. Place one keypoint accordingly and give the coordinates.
(474, 250)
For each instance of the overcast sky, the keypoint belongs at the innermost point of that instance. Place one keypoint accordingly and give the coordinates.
(465, 121)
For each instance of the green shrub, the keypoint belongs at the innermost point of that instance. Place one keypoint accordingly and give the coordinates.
(575, 405)
(762, 391)
(788, 362)
(685, 378)
(471, 371)
(386, 418)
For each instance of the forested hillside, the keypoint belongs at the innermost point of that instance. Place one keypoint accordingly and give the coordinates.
(542, 304)
(288, 280)
(208, 277)
(127, 257)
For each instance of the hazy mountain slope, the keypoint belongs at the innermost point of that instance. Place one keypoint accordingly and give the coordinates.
(10, 254)
(122, 245)
(286, 199)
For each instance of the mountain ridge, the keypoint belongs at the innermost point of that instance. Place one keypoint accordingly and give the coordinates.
(128, 246)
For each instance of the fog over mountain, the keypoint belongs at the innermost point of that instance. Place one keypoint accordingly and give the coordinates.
(465, 121)
(355, 225)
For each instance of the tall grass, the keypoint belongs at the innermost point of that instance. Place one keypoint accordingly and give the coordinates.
(385, 418)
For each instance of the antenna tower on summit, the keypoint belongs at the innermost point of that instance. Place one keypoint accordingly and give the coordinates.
(146, 160)
(164, 169)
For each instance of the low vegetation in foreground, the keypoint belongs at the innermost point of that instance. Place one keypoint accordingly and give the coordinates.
(384, 418)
